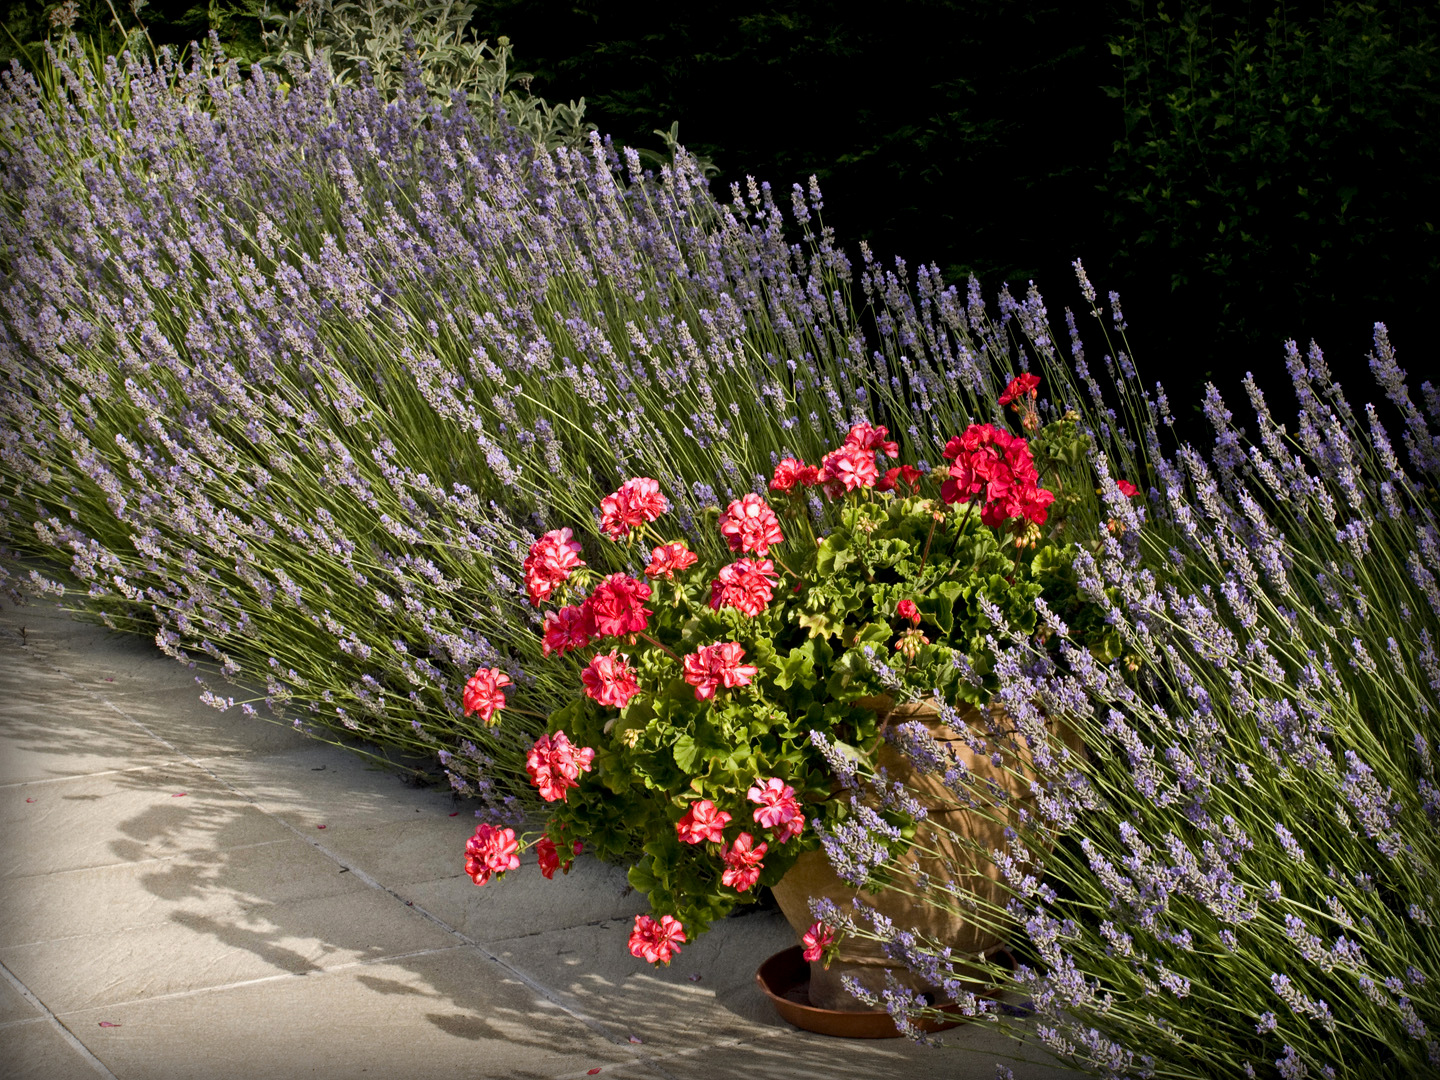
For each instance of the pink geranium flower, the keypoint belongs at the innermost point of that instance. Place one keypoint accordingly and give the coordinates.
(609, 680)
(816, 940)
(778, 808)
(656, 942)
(712, 666)
(617, 606)
(551, 560)
(638, 501)
(702, 822)
(554, 765)
(867, 437)
(849, 467)
(792, 473)
(483, 693)
(1020, 386)
(746, 584)
(1127, 489)
(669, 559)
(568, 629)
(749, 524)
(490, 851)
(906, 609)
(743, 862)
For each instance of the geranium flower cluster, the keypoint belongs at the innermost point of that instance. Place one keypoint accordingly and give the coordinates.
(849, 467)
(637, 503)
(712, 666)
(552, 559)
(989, 465)
(554, 765)
(750, 525)
(484, 695)
(656, 942)
(490, 851)
(778, 809)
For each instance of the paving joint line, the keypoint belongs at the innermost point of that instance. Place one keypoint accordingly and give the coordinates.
(529, 981)
(64, 1032)
(84, 776)
(240, 984)
(154, 859)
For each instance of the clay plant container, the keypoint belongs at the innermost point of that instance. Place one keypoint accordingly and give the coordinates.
(965, 834)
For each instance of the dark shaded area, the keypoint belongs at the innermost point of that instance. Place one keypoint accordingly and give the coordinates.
(1241, 173)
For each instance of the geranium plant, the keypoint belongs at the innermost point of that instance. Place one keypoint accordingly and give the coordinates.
(692, 752)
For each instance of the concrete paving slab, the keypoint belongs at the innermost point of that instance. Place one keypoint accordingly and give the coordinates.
(706, 995)
(524, 903)
(450, 1014)
(195, 950)
(37, 1051)
(125, 816)
(422, 847)
(318, 784)
(117, 662)
(14, 1008)
(227, 934)
(129, 896)
(53, 734)
(177, 716)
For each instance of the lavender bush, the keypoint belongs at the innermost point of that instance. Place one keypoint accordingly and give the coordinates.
(291, 378)
(1239, 877)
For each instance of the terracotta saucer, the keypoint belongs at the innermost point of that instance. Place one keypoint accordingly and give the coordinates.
(785, 978)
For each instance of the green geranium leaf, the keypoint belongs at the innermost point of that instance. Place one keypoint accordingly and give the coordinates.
(685, 752)
(834, 555)
(798, 666)
(820, 624)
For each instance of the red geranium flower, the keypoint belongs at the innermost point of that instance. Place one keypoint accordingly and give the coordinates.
(609, 680)
(1020, 386)
(554, 765)
(906, 609)
(778, 807)
(702, 822)
(710, 666)
(549, 563)
(656, 942)
(490, 851)
(908, 473)
(749, 524)
(638, 501)
(568, 629)
(816, 940)
(791, 472)
(746, 584)
(617, 606)
(1127, 489)
(483, 693)
(867, 437)
(548, 857)
(849, 467)
(743, 862)
(668, 559)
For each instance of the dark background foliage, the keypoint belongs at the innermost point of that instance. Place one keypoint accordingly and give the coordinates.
(1241, 173)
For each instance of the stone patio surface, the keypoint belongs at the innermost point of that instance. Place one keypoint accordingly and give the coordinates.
(194, 894)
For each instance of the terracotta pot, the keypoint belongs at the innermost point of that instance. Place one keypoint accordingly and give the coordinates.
(811, 876)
